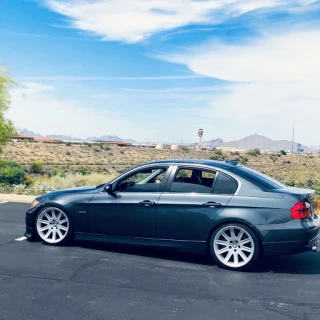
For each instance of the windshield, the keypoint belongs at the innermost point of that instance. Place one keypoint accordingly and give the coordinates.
(258, 177)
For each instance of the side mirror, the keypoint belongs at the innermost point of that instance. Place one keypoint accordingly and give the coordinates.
(108, 188)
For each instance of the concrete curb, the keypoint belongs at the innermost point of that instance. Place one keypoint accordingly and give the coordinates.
(16, 198)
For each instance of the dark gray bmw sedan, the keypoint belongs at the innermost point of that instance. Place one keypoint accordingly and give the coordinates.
(227, 210)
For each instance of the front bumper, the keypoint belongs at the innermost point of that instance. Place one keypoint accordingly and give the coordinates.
(293, 237)
(30, 220)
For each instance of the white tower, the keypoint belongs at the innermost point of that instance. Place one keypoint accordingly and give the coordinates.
(200, 135)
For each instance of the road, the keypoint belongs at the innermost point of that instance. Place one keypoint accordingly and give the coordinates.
(89, 281)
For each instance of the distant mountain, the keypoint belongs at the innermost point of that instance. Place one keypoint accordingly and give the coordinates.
(30, 133)
(211, 143)
(252, 142)
(263, 143)
(70, 138)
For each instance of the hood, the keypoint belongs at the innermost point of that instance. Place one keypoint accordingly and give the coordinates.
(90, 189)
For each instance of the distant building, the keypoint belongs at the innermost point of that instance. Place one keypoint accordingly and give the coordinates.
(115, 143)
(22, 137)
(47, 140)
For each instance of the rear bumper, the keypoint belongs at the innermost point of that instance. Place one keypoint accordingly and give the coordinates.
(290, 247)
(293, 237)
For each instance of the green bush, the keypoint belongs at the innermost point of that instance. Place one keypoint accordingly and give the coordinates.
(254, 152)
(243, 161)
(36, 167)
(283, 152)
(57, 172)
(184, 148)
(105, 146)
(218, 152)
(83, 171)
(11, 173)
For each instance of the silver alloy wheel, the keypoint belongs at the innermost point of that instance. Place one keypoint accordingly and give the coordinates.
(233, 246)
(52, 225)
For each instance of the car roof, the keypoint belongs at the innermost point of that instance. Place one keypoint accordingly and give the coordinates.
(214, 163)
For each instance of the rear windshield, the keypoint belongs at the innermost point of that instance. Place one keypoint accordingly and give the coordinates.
(258, 177)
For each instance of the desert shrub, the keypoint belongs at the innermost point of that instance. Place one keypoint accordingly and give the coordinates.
(36, 167)
(96, 149)
(84, 171)
(217, 157)
(68, 144)
(40, 187)
(290, 183)
(283, 152)
(68, 153)
(243, 161)
(28, 180)
(6, 188)
(11, 173)
(105, 146)
(57, 172)
(254, 152)
(184, 148)
(20, 189)
(218, 152)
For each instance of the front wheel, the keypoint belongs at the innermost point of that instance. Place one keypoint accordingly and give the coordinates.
(53, 226)
(235, 246)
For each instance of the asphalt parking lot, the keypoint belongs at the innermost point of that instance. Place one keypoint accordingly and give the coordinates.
(90, 281)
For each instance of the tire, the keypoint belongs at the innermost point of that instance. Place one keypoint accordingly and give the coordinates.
(235, 246)
(53, 226)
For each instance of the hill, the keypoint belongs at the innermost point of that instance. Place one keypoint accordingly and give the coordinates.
(255, 141)
(71, 138)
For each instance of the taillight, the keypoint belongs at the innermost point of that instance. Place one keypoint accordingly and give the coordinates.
(300, 210)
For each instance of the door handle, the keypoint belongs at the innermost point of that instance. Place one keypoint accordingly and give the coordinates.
(212, 204)
(147, 203)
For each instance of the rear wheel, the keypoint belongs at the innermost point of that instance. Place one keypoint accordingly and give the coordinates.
(53, 226)
(235, 246)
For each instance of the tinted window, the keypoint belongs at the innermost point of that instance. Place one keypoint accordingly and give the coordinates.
(258, 177)
(193, 180)
(146, 180)
(225, 185)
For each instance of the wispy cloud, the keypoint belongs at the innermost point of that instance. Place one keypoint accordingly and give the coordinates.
(87, 78)
(277, 81)
(136, 20)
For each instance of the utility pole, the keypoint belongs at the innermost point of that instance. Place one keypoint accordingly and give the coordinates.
(292, 139)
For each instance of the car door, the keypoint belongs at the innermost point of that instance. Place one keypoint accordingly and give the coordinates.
(130, 210)
(193, 197)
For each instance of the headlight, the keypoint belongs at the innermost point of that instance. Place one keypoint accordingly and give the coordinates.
(34, 203)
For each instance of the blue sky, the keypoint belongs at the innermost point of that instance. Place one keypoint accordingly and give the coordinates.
(158, 70)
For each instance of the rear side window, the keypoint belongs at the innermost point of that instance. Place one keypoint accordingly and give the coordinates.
(225, 185)
(258, 177)
(193, 181)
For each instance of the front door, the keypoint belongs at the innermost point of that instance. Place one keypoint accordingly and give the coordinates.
(191, 202)
(130, 211)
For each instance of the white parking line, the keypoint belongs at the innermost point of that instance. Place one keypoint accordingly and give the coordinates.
(21, 239)
(3, 202)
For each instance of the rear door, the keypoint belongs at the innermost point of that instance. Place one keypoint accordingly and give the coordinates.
(193, 197)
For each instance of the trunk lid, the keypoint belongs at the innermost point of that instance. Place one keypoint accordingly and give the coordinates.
(302, 194)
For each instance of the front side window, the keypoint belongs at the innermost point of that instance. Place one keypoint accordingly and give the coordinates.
(193, 181)
(145, 180)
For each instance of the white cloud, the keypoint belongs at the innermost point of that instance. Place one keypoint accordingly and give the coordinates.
(286, 57)
(278, 83)
(136, 20)
(38, 110)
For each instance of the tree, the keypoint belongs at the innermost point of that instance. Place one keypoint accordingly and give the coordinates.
(7, 128)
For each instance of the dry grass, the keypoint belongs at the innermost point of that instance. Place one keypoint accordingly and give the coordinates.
(77, 180)
(71, 158)
(317, 206)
